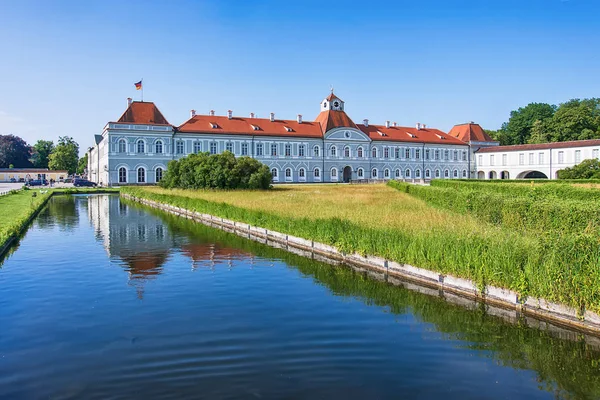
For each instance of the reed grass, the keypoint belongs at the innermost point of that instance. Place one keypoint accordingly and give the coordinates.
(378, 220)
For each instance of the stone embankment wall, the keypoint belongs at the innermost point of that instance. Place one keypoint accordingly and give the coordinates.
(556, 313)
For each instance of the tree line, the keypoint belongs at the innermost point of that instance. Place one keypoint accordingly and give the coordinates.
(64, 155)
(544, 123)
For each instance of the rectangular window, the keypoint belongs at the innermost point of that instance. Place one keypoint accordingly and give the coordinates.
(288, 150)
(595, 153)
(407, 153)
(180, 147)
(491, 159)
(386, 152)
(396, 152)
(229, 147)
(531, 159)
(561, 157)
(446, 155)
(418, 154)
(504, 157)
(301, 150)
(197, 147)
(521, 159)
(259, 149)
(274, 150)
(479, 160)
(455, 155)
(437, 154)
(213, 148)
(244, 149)
(541, 158)
(427, 154)
(464, 156)
(577, 156)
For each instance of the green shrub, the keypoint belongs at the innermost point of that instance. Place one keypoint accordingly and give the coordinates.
(216, 171)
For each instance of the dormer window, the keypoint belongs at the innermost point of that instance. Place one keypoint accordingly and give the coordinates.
(411, 135)
(287, 128)
(381, 133)
(255, 127)
(440, 136)
(213, 125)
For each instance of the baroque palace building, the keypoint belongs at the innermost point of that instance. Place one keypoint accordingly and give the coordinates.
(137, 147)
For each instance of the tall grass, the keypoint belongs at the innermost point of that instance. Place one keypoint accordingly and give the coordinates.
(377, 220)
(15, 210)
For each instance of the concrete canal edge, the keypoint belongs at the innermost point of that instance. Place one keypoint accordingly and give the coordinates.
(558, 314)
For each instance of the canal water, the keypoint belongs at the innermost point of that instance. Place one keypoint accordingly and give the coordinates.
(104, 299)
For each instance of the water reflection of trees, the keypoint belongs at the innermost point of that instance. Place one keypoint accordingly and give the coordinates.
(568, 369)
(60, 211)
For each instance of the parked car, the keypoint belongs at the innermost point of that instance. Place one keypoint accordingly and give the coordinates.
(21, 179)
(37, 182)
(13, 180)
(83, 182)
(68, 180)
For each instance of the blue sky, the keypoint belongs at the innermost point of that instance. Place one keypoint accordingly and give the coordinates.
(67, 67)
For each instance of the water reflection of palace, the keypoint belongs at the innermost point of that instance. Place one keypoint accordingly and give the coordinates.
(142, 242)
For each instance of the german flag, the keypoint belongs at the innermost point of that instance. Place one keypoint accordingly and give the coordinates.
(138, 85)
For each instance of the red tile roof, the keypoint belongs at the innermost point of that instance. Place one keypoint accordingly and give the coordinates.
(541, 146)
(250, 126)
(143, 113)
(334, 119)
(408, 134)
(331, 97)
(470, 132)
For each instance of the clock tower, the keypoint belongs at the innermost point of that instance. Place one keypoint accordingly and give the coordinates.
(333, 103)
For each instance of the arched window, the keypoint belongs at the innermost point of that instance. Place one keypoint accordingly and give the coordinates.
(427, 173)
(455, 174)
(333, 151)
(302, 173)
(159, 174)
(446, 174)
(334, 173)
(437, 173)
(361, 173)
(407, 173)
(359, 152)
(122, 146)
(397, 173)
(274, 173)
(386, 173)
(316, 151)
(141, 175)
(374, 152)
(418, 174)
(141, 146)
(347, 152)
(158, 147)
(374, 173)
(464, 173)
(317, 173)
(288, 173)
(179, 147)
(122, 175)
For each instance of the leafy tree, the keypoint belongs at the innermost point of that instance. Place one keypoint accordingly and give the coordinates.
(82, 164)
(576, 120)
(15, 151)
(539, 132)
(41, 153)
(518, 128)
(65, 155)
(216, 171)
(587, 169)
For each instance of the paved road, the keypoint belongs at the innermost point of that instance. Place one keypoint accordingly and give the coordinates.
(4, 186)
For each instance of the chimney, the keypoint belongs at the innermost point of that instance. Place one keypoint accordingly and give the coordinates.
(272, 117)
(251, 115)
(365, 122)
(211, 113)
(387, 124)
(192, 113)
(395, 124)
(229, 114)
(129, 101)
(299, 118)
(424, 126)
(418, 126)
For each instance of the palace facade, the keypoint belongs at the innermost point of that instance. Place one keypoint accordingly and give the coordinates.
(137, 147)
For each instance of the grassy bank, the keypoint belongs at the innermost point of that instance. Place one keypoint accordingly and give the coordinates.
(378, 220)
